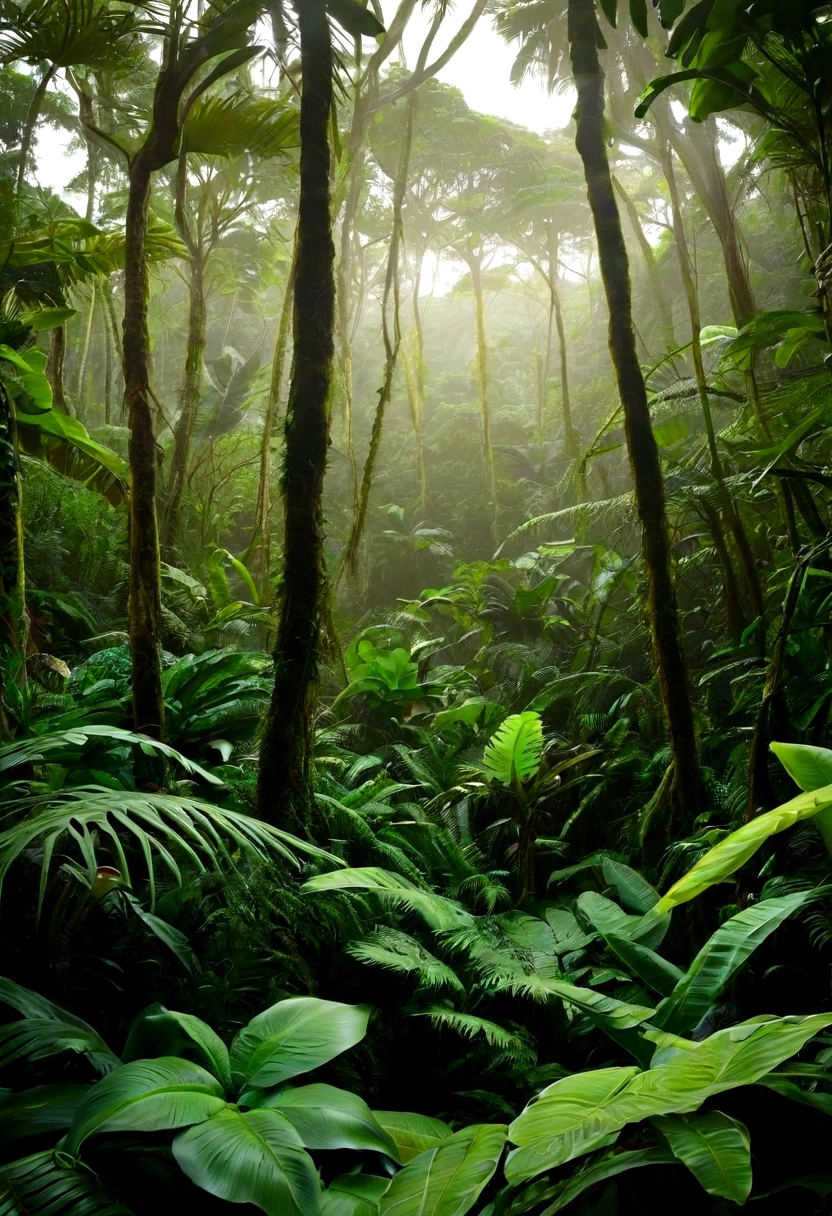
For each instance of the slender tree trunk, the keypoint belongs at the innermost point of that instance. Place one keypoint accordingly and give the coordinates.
(84, 357)
(475, 268)
(13, 619)
(641, 444)
(145, 571)
(55, 368)
(189, 401)
(570, 435)
(665, 312)
(28, 136)
(285, 787)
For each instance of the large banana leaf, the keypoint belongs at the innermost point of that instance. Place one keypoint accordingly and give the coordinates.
(725, 951)
(411, 1134)
(146, 1096)
(515, 750)
(734, 851)
(447, 1180)
(45, 1184)
(254, 1157)
(327, 1118)
(715, 1148)
(296, 1036)
(47, 1030)
(582, 1112)
(64, 444)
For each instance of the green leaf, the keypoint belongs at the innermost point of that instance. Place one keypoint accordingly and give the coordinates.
(296, 1036)
(725, 951)
(47, 1030)
(32, 1112)
(411, 1134)
(44, 1184)
(147, 1096)
(657, 972)
(251, 1157)
(164, 1032)
(438, 912)
(580, 1113)
(65, 445)
(448, 1179)
(48, 318)
(353, 1195)
(734, 851)
(638, 16)
(515, 750)
(327, 1118)
(809, 767)
(635, 892)
(610, 10)
(355, 18)
(600, 1171)
(715, 1148)
(403, 954)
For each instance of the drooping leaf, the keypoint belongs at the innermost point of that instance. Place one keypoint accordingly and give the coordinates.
(602, 1170)
(401, 953)
(146, 1096)
(328, 1118)
(580, 1113)
(164, 1032)
(412, 1134)
(446, 1180)
(48, 1030)
(253, 1156)
(715, 1148)
(295, 1036)
(724, 952)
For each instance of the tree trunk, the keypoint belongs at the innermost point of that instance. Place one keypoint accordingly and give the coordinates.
(475, 268)
(189, 402)
(641, 444)
(55, 368)
(284, 792)
(570, 435)
(145, 571)
(13, 620)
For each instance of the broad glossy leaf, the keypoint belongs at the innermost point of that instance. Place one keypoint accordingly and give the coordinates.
(580, 1113)
(353, 1195)
(600, 1171)
(325, 1118)
(146, 1096)
(655, 971)
(412, 1134)
(164, 1032)
(515, 750)
(634, 891)
(715, 1148)
(725, 951)
(448, 1179)
(809, 767)
(295, 1036)
(734, 851)
(251, 1157)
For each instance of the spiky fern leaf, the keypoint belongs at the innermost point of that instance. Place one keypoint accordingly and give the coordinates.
(515, 750)
(470, 1026)
(401, 953)
(392, 889)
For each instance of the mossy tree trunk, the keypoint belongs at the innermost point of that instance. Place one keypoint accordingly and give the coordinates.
(13, 619)
(145, 571)
(643, 452)
(285, 793)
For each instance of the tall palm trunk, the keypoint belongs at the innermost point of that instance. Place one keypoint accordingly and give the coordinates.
(189, 400)
(284, 788)
(145, 572)
(641, 444)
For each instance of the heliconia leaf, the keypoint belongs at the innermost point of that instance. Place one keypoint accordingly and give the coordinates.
(634, 891)
(725, 951)
(411, 1134)
(581, 1113)
(327, 1118)
(655, 971)
(446, 1180)
(715, 1148)
(295, 1036)
(254, 1157)
(734, 851)
(515, 750)
(353, 1195)
(146, 1096)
